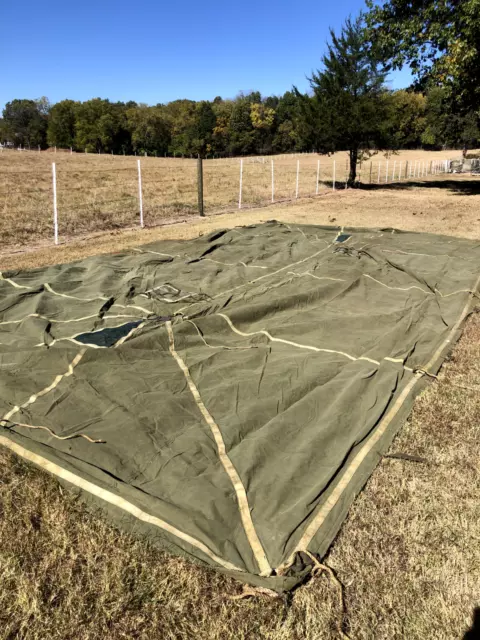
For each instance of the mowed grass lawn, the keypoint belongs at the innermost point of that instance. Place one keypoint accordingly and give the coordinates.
(408, 555)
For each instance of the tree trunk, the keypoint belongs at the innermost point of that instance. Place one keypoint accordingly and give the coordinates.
(353, 154)
(464, 151)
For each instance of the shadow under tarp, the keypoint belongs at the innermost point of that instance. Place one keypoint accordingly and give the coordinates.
(242, 385)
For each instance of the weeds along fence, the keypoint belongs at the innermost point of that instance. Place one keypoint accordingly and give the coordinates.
(77, 194)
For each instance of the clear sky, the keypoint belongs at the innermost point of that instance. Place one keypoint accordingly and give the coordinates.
(154, 51)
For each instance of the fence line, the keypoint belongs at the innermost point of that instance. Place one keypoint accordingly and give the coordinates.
(283, 181)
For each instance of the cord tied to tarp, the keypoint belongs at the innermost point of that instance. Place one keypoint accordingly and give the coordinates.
(255, 592)
(10, 424)
(318, 568)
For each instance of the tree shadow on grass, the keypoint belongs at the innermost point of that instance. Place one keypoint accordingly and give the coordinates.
(474, 632)
(458, 187)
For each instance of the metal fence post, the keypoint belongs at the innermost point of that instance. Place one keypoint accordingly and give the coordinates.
(55, 213)
(200, 186)
(140, 195)
(273, 182)
(241, 184)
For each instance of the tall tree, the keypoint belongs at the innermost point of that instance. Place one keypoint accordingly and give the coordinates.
(438, 39)
(148, 129)
(61, 124)
(201, 132)
(180, 115)
(100, 126)
(349, 108)
(288, 136)
(408, 117)
(446, 127)
(25, 122)
(220, 137)
(241, 133)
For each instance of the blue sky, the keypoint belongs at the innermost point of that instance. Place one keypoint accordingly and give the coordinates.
(153, 51)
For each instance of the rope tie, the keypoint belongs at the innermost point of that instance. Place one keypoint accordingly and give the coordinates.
(248, 592)
(318, 568)
(454, 384)
(9, 424)
(424, 372)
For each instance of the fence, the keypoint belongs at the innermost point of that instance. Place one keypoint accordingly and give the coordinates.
(81, 194)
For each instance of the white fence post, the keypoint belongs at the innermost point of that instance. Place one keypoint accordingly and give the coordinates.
(55, 213)
(333, 184)
(140, 195)
(386, 173)
(241, 184)
(318, 176)
(273, 183)
(400, 171)
(393, 172)
(378, 176)
(296, 185)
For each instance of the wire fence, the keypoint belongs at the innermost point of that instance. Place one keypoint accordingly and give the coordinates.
(83, 194)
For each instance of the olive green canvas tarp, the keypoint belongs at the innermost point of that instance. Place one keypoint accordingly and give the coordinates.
(229, 396)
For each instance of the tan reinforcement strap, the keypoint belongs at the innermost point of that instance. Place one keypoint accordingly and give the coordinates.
(308, 346)
(298, 345)
(91, 317)
(244, 508)
(111, 498)
(50, 387)
(58, 471)
(355, 463)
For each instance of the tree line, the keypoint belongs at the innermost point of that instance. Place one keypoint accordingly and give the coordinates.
(247, 124)
(348, 107)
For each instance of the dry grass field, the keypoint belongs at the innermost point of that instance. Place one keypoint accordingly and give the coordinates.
(408, 555)
(100, 192)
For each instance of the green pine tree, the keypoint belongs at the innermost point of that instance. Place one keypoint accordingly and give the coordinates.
(349, 108)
